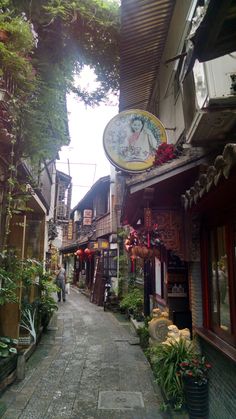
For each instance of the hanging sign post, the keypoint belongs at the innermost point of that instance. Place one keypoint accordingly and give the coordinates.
(131, 139)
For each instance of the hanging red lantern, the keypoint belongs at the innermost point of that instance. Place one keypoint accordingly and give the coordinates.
(87, 252)
(79, 253)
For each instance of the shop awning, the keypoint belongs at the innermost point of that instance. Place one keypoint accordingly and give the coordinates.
(168, 181)
(144, 28)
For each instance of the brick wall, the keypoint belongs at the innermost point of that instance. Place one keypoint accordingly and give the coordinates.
(222, 384)
(196, 294)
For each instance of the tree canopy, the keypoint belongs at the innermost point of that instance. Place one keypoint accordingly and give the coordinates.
(66, 35)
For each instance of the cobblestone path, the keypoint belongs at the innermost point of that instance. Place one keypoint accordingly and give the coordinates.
(90, 367)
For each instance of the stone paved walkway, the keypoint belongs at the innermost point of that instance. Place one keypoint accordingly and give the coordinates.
(90, 367)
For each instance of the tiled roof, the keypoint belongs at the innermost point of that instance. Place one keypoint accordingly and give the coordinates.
(191, 157)
(207, 181)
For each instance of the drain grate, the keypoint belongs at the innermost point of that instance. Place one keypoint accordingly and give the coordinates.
(120, 400)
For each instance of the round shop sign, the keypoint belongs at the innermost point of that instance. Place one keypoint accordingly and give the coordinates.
(131, 138)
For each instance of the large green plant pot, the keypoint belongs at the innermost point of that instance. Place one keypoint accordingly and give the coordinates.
(196, 396)
(7, 366)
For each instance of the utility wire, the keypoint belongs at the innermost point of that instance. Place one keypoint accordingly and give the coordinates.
(86, 164)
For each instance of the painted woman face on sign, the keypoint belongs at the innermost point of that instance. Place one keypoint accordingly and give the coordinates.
(131, 139)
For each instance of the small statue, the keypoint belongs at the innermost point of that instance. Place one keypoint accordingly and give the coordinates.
(158, 326)
(175, 334)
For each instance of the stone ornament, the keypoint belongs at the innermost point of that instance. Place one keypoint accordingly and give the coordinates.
(175, 334)
(158, 326)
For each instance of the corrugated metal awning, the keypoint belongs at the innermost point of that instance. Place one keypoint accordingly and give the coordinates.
(144, 28)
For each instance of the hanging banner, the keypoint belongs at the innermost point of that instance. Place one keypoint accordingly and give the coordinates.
(87, 217)
(70, 230)
(131, 138)
(148, 219)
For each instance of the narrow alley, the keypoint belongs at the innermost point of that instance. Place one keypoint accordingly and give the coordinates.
(88, 366)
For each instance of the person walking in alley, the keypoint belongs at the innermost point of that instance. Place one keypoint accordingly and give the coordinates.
(61, 283)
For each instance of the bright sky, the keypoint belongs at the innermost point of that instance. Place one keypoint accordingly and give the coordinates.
(84, 159)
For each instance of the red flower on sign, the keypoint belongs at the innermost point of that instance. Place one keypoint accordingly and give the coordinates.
(165, 153)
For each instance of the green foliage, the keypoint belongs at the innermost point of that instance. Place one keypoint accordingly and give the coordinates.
(90, 32)
(8, 289)
(133, 302)
(165, 360)
(42, 126)
(47, 304)
(28, 272)
(31, 271)
(14, 52)
(143, 334)
(69, 34)
(81, 284)
(147, 319)
(39, 312)
(7, 346)
(9, 277)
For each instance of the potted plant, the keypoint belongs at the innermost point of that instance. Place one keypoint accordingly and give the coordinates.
(46, 303)
(132, 303)
(8, 356)
(194, 372)
(165, 360)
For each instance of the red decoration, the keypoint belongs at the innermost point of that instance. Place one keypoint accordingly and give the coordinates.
(165, 153)
(148, 219)
(131, 241)
(79, 253)
(144, 244)
(88, 252)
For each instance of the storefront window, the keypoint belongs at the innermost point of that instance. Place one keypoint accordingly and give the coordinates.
(221, 286)
(110, 262)
(159, 277)
(220, 307)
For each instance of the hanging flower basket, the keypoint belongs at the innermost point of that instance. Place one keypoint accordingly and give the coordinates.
(142, 252)
(144, 245)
